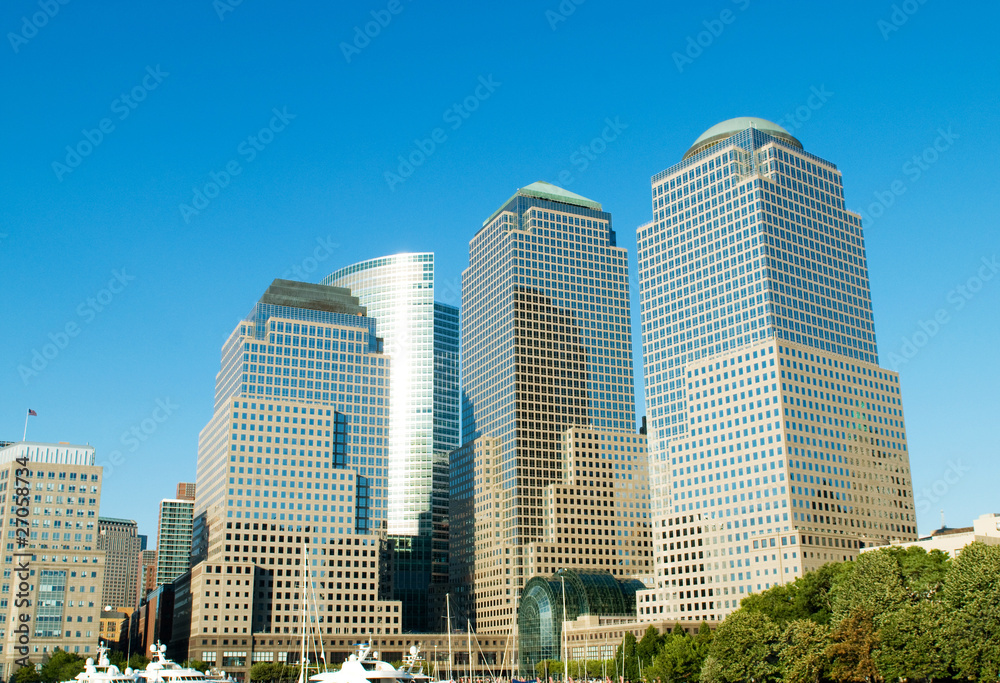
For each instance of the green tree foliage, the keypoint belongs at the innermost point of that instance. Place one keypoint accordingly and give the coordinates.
(627, 654)
(26, 674)
(873, 584)
(746, 647)
(62, 666)
(802, 651)
(972, 594)
(910, 642)
(273, 671)
(678, 661)
(650, 644)
(196, 664)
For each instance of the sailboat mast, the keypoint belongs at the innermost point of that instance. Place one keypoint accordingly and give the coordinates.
(302, 654)
(447, 598)
(468, 627)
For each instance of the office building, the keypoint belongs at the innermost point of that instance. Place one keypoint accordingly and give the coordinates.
(120, 541)
(147, 576)
(292, 472)
(776, 441)
(173, 539)
(54, 538)
(421, 338)
(185, 491)
(546, 344)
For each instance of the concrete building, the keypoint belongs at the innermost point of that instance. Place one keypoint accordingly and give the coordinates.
(292, 480)
(147, 575)
(776, 441)
(173, 539)
(53, 562)
(546, 344)
(185, 491)
(421, 337)
(120, 541)
(984, 529)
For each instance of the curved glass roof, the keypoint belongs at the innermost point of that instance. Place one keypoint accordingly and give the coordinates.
(730, 127)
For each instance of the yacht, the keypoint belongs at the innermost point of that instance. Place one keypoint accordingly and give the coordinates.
(163, 670)
(364, 667)
(103, 671)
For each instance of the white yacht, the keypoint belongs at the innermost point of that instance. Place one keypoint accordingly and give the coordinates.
(163, 670)
(104, 671)
(364, 667)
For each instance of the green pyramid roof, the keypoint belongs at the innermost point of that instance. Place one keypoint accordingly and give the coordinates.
(553, 193)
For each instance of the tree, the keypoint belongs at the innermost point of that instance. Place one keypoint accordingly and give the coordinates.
(678, 660)
(26, 674)
(872, 584)
(745, 647)
(854, 641)
(649, 646)
(777, 603)
(911, 639)
(61, 666)
(138, 661)
(813, 599)
(972, 594)
(626, 653)
(802, 651)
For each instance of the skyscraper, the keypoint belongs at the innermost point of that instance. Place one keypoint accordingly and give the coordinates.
(185, 491)
(173, 539)
(421, 338)
(546, 344)
(761, 374)
(120, 541)
(292, 471)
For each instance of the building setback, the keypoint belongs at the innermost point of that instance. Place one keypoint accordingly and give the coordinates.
(777, 443)
(546, 345)
(65, 566)
(120, 541)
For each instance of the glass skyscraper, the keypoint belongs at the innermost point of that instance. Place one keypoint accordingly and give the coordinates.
(546, 344)
(421, 338)
(759, 357)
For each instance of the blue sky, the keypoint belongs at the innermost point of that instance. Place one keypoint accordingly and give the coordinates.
(301, 119)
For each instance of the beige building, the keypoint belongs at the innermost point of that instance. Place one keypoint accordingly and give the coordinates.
(596, 516)
(120, 541)
(793, 459)
(53, 570)
(985, 529)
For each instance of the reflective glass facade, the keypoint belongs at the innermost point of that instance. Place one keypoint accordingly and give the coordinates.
(769, 418)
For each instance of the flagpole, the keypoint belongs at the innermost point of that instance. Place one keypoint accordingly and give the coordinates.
(25, 436)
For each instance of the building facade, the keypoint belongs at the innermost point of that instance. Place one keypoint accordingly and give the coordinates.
(292, 480)
(185, 491)
(173, 539)
(546, 345)
(985, 529)
(421, 337)
(53, 569)
(147, 576)
(762, 376)
(122, 545)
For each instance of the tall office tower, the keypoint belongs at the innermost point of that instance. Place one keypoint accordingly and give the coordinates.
(776, 441)
(173, 539)
(421, 338)
(546, 343)
(120, 541)
(293, 463)
(147, 577)
(185, 491)
(52, 560)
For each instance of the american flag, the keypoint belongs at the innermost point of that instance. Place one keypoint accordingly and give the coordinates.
(32, 413)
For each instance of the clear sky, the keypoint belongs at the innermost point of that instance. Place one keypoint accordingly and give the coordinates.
(112, 254)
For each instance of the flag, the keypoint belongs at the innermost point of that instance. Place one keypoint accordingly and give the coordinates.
(32, 413)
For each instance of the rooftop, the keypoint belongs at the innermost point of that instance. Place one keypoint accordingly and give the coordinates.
(730, 127)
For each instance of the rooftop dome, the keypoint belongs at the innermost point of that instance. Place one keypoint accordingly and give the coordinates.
(721, 131)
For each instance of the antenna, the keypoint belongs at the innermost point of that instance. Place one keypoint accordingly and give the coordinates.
(942, 519)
